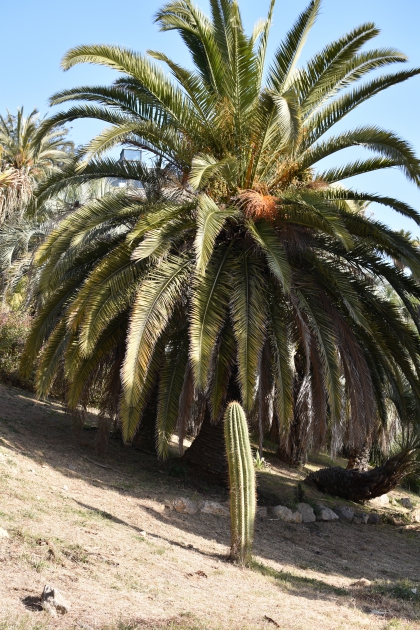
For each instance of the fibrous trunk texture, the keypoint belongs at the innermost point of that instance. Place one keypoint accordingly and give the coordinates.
(207, 452)
(292, 449)
(241, 483)
(293, 443)
(359, 459)
(362, 486)
(145, 437)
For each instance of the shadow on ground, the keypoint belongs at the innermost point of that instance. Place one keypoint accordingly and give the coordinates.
(331, 555)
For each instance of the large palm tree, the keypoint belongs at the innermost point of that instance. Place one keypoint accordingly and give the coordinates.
(241, 269)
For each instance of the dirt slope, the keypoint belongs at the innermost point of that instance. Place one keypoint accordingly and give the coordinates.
(98, 530)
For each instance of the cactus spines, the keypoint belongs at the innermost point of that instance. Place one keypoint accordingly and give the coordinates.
(241, 482)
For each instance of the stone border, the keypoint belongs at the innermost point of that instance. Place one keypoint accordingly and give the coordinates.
(304, 512)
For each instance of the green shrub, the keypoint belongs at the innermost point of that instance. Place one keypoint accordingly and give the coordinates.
(14, 330)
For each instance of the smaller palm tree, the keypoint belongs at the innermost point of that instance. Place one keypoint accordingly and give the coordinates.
(21, 236)
(26, 158)
(22, 149)
(15, 190)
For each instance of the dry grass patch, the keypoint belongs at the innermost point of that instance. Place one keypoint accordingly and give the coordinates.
(98, 531)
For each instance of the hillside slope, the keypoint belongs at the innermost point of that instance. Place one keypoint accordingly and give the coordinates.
(98, 530)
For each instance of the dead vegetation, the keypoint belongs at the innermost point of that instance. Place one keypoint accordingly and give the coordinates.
(98, 531)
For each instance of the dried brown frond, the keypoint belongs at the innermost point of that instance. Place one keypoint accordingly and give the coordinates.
(108, 404)
(261, 416)
(319, 399)
(316, 184)
(358, 379)
(258, 206)
(286, 173)
(15, 192)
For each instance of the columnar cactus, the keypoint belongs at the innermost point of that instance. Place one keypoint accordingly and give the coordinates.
(242, 483)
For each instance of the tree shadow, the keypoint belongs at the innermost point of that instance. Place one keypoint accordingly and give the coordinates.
(32, 603)
(150, 534)
(324, 552)
(308, 588)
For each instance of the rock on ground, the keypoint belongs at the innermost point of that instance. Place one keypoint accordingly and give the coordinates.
(53, 601)
(212, 507)
(184, 506)
(344, 513)
(415, 516)
(380, 501)
(374, 519)
(3, 533)
(326, 514)
(282, 512)
(405, 502)
(307, 513)
(285, 514)
(361, 518)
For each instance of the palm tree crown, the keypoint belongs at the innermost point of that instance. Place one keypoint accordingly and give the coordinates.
(22, 149)
(25, 159)
(239, 261)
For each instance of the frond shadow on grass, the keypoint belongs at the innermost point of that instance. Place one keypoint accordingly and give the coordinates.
(297, 582)
(138, 530)
(42, 432)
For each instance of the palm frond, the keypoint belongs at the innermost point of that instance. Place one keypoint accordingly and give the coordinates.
(152, 310)
(248, 312)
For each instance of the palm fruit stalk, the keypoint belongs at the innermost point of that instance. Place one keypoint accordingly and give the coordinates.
(241, 482)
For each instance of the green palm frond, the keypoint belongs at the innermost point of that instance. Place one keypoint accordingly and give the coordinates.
(209, 310)
(247, 308)
(287, 55)
(221, 369)
(80, 370)
(210, 221)
(385, 143)
(170, 388)
(205, 167)
(51, 358)
(268, 240)
(153, 307)
(282, 355)
(333, 112)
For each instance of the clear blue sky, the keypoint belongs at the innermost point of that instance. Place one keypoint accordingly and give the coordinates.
(35, 35)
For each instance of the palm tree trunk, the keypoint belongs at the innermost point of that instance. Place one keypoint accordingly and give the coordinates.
(274, 434)
(359, 459)
(208, 452)
(145, 437)
(293, 445)
(362, 486)
(292, 449)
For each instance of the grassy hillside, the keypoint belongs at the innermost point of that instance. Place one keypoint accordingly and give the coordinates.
(99, 531)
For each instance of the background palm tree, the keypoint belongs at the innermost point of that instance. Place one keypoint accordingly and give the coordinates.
(28, 156)
(240, 270)
(25, 159)
(19, 238)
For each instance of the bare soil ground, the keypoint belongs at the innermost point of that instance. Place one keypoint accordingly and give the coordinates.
(98, 530)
